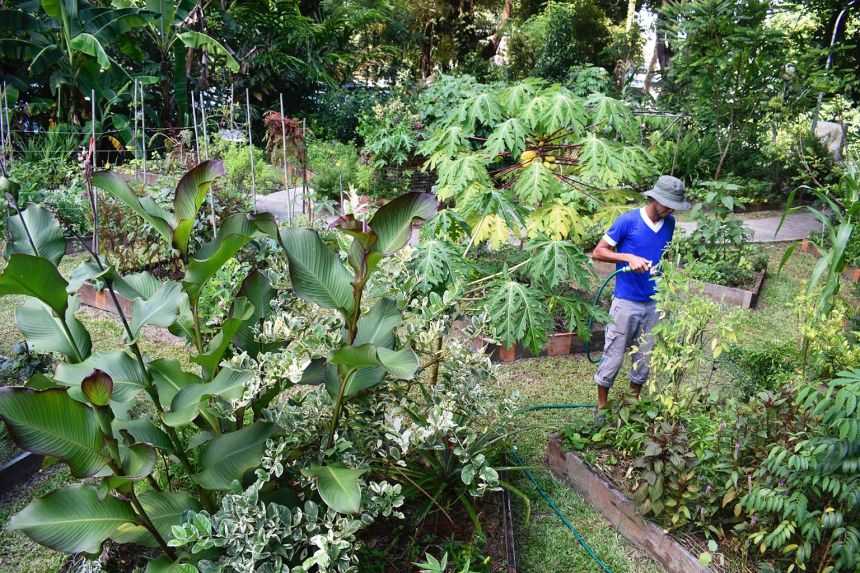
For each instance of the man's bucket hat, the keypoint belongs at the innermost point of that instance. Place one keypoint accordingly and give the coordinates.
(669, 192)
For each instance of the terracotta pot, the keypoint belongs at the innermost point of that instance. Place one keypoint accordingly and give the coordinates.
(507, 354)
(559, 344)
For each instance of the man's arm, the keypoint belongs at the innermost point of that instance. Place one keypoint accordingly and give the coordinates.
(606, 252)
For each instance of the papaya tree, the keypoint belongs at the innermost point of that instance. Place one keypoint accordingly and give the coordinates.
(84, 413)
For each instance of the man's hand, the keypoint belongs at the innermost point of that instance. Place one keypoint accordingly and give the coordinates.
(638, 264)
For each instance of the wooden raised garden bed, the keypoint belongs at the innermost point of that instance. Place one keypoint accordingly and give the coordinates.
(620, 511)
(101, 299)
(735, 296)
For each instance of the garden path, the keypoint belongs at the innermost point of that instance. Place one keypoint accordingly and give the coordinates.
(282, 204)
(797, 226)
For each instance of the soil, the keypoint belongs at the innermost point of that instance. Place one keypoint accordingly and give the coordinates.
(114, 558)
(392, 549)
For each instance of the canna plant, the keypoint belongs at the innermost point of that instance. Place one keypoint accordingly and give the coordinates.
(83, 414)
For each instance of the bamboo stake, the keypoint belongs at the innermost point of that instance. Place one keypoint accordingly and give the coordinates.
(196, 137)
(206, 156)
(3, 138)
(284, 151)
(8, 122)
(251, 146)
(93, 191)
(143, 129)
(136, 120)
(305, 198)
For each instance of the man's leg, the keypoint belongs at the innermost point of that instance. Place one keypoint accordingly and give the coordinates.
(614, 345)
(641, 367)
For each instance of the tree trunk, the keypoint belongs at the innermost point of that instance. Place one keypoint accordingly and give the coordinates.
(496, 38)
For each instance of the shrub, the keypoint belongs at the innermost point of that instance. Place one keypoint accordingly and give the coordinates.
(335, 167)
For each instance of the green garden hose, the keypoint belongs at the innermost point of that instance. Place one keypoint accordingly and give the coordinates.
(596, 302)
(589, 550)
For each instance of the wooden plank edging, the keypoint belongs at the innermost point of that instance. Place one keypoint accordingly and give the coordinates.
(620, 511)
(100, 299)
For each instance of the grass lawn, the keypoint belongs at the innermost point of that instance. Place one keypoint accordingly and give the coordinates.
(544, 544)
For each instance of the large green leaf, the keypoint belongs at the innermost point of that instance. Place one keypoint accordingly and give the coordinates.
(201, 41)
(162, 221)
(128, 377)
(228, 384)
(256, 288)
(36, 277)
(536, 184)
(73, 519)
(377, 326)
(517, 314)
(45, 231)
(553, 263)
(170, 378)
(51, 423)
(190, 194)
(143, 431)
(316, 272)
(226, 458)
(401, 363)
(45, 332)
(240, 314)
(138, 285)
(90, 45)
(234, 233)
(159, 310)
(358, 381)
(85, 272)
(354, 357)
(393, 222)
(339, 486)
(165, 509)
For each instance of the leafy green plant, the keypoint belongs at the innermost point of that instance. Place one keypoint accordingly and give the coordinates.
(531, 159)
(335, 168)
(805, 501)
(83, 415)
(716, 251)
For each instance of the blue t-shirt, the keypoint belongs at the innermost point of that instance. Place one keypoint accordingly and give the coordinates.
(634, 233)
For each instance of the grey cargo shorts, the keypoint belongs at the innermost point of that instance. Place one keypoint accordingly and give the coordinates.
(630, 324)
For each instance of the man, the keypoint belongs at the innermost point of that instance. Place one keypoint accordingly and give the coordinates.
(636, 239)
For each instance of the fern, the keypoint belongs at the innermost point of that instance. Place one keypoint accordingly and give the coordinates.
(517, 314)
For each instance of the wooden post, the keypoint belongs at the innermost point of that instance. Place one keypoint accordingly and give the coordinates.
(305, 198)
(196, 137)
(284, 152)
(206, 156)
(251, 147)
